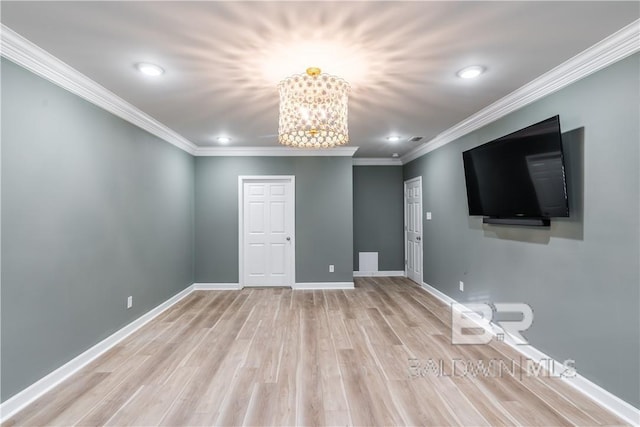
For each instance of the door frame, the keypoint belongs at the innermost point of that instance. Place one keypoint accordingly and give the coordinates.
(242, 179)
(406, 237)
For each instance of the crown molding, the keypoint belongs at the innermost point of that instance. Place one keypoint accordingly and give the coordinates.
(370, 161)
(617, 46)
(35, 59)
(274, 152)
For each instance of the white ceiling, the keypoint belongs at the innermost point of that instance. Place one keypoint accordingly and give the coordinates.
(223, 60)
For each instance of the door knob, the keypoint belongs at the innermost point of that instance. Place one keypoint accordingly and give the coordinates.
(418, 238)
(288, 239)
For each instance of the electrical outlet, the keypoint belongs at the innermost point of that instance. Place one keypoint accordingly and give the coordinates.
(428, 216)
(130, 302)
(331, 268)
(461, 286)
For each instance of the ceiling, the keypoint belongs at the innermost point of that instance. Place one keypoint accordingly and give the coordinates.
(223, 60)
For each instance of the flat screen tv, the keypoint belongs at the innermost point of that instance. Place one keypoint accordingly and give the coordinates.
(519, 178)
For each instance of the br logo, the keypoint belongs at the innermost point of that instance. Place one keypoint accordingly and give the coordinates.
(468, 319)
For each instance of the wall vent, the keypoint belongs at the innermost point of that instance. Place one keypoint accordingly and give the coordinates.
(368, 261)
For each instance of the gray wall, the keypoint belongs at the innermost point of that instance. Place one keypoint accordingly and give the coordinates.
(93, 210)
(324, 209)
(378, 215)
(581, 276)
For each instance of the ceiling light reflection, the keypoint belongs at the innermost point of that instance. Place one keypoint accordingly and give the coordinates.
(148, 69)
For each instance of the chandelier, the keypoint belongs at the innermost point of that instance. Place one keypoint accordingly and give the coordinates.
(313, 110)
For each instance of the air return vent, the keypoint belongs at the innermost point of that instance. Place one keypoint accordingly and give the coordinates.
(415, 138)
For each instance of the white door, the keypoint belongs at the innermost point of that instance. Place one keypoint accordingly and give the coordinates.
(413, 228)
(267, 231)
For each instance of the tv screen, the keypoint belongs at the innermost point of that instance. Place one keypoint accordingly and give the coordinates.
(520, 175)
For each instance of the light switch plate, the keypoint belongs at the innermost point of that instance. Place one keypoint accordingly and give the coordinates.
(428, 216)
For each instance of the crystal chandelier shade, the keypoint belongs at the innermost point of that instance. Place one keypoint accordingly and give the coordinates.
(313, 110)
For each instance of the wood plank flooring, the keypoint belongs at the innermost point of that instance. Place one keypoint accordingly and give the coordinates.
(266, 357)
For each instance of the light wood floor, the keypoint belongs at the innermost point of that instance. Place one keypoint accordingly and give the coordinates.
(283, 357)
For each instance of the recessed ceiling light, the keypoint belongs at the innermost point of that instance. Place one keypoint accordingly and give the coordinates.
(393, 138)
(223, 139)
(149, 69)
(471, 72)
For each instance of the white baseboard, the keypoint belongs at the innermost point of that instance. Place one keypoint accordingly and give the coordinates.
(436, 293)
(306, 285)
(323, 285)
(392, 273)
(613, 403)
(20, 400)
(216, 286)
